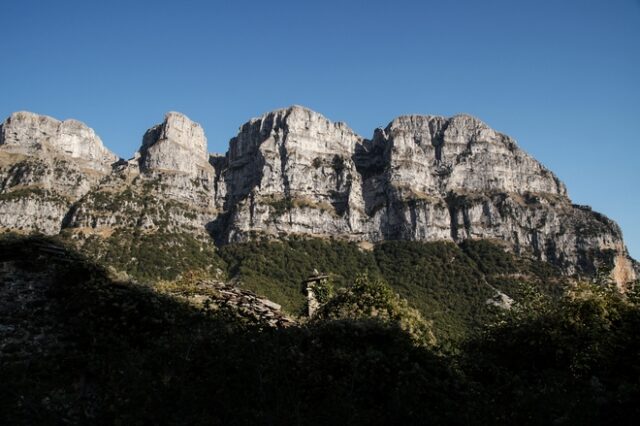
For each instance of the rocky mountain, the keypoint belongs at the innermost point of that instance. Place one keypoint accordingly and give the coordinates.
(167, 185)
(294, 172)
(45, 166)
(421, 178)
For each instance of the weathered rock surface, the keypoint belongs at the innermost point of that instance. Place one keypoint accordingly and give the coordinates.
(45, 165)
(421, 178)
(244, 303)
(176, 145)
(32, 211)
(168, 185)
(139, 203)
(292, 171)
(35, 135)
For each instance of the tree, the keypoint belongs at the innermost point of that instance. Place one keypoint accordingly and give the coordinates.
(372, 300)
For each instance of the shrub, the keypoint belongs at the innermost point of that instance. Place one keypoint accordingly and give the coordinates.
(368, 299)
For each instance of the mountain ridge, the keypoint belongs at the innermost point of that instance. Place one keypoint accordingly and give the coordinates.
(292, 171)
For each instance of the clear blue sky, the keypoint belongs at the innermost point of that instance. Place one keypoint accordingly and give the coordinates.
(561, 77)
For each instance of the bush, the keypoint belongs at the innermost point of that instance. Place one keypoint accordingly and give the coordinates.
(368, 299)
(578, 357)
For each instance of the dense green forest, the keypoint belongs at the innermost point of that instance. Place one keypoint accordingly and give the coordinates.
(448, 284)
(405, 337)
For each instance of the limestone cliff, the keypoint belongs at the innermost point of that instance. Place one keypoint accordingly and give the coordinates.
(178, 145)
(292, 172)
(420, 178)
(41, 136)
(168, 185)
(45, 165)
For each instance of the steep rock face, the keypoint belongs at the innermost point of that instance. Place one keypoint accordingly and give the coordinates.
(294, 172)
(167, 186)
(435, 155)
(139, 203)
(36, 210)
(421, 178)
(457, 178)
(45, 165)
(34, 135)
(291, 171)
(176, 145)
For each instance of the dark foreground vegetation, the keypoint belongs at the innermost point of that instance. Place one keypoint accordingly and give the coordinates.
(80, 347)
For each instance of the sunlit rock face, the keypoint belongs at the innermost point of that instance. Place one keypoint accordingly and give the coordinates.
(169, 185)
(45, 165)
(422, 178)
(176, 145)
(294, 172)
(436, 155)
(38, 135)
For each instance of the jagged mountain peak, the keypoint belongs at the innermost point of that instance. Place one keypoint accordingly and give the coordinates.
(178, 144)
(461, 154)
(30, 116)
(295, 116)
(434, 123)
(33, 134)
(435, 127)
(179, 129)
(296, 110)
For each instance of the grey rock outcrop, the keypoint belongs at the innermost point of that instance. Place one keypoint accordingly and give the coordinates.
(39, 135)
(176, 145)
(421, 178)
(456, 178)
(32, 211)
(294, 172)
(435, 155)
(291, 171)
(168, 185)
(45, 165)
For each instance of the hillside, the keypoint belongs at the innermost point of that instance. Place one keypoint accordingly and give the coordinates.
(80, 346)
